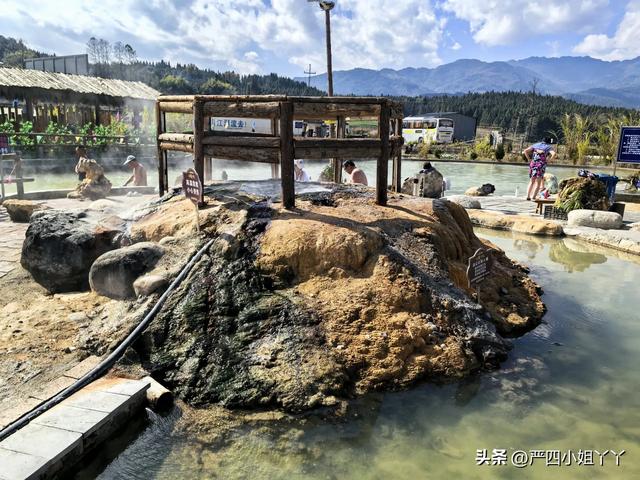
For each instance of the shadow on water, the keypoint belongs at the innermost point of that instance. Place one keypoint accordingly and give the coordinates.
(135, 438)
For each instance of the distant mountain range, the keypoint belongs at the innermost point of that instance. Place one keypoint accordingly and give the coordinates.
(584, 79)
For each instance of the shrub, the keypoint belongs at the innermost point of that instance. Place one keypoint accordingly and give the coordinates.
(500, 152)
(483, 149)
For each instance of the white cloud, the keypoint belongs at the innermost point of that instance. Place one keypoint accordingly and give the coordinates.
(503, 22)
(624, 44)
(240, 34)
(456, 46)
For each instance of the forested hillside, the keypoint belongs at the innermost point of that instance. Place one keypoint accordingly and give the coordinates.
(120, 61)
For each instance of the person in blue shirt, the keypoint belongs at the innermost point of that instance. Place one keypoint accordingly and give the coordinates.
(538, 154)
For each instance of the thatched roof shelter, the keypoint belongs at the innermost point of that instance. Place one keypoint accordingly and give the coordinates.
(78, 89)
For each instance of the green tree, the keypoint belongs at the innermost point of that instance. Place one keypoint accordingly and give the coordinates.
(213, 86)
(175, 84)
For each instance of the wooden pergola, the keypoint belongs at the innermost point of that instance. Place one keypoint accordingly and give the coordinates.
(280, 146)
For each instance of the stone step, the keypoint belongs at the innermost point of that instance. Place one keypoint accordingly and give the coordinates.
(60, 437)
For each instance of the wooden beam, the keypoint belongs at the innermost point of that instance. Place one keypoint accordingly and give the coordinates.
(246, 154)
(176, 137)
(225, 133)
(383, 159)
(318, 142)
(396, 149)
(323, 110)
(198, 135)
(176, 147)
(176, 107)
(242, 109)
(245, 142)
(176, 98)
(240, 98)
(287, 155)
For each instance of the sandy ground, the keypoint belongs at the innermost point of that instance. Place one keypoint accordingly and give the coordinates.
(38, 330)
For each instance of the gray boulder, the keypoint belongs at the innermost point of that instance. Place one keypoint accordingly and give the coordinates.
(465, 201)
(427, 184)
(61, 245)
(148, 284)
(595, 219)
(113, 274)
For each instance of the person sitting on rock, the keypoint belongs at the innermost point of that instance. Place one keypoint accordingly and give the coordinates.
(430, 182)
(94, 185)
(81, 153)
(300, 173)
(356, 175)
(139, 177)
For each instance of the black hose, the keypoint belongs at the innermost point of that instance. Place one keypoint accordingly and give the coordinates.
(104, 366)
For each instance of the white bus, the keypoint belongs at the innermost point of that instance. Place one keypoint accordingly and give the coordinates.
(427, 130)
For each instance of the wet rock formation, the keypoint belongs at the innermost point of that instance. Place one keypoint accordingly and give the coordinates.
(114, 273)
(337, 298)
(61, 245)
(95, 185)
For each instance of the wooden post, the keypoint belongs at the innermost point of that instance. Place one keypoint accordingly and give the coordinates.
(2, 192)
(161, 126)
(383, 161)
(198, 135)
(286, 155)
(397, 159)
(275, 170)
(208, 169)
(337, 162)
(18, 176)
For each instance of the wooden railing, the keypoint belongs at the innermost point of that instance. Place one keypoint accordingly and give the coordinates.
(35, 139)
(280, 147)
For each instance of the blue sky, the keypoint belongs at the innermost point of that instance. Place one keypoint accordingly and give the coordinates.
(284, 36)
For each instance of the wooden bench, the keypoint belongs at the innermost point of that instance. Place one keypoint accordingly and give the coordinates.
(541, 202)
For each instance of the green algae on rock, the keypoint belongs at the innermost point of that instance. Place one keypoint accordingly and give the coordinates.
(296, 309)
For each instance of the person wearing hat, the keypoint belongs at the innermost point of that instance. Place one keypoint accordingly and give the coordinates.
(139, 177)
(300, 173)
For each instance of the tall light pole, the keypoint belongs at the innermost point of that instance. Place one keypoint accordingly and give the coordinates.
(327, 7)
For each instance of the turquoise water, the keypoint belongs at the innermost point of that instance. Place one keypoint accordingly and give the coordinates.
(571, 384)
(506, 178)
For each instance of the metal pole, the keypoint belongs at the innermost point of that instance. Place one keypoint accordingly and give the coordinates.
(327, 16)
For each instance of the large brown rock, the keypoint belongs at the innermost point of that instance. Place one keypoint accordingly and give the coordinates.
(20, 211)
(516, 223)
(340, 297)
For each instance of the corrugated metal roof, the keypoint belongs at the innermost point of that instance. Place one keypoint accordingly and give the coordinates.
(22, 78)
